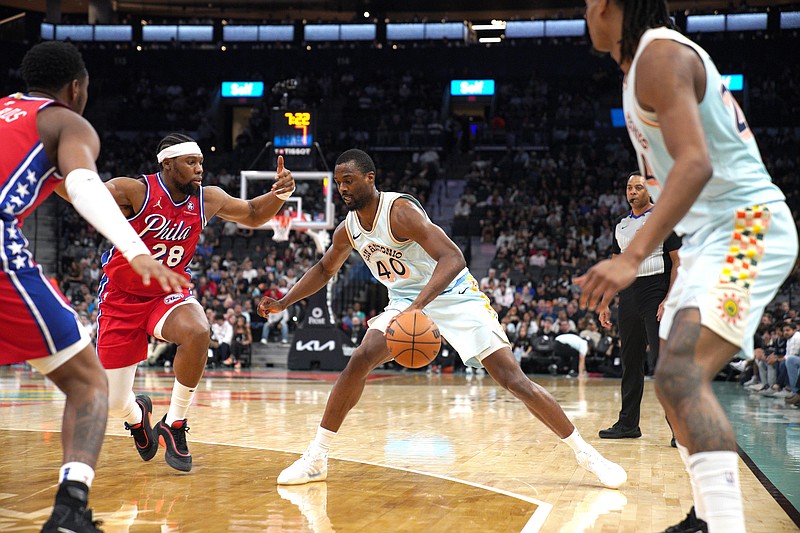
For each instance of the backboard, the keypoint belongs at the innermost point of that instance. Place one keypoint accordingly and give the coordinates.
(311, 205)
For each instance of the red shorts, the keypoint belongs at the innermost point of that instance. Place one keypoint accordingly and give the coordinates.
(125, 321)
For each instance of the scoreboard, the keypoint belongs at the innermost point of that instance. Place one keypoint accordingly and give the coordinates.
(293, 129)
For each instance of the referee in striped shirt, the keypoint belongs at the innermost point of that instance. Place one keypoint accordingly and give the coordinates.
(640, 308)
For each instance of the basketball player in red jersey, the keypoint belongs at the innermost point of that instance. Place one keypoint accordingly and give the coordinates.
(169, 210)
(44, 138)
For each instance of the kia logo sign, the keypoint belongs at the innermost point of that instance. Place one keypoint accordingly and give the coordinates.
(315, 346)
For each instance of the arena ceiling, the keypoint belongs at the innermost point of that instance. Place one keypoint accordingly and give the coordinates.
(354, 9)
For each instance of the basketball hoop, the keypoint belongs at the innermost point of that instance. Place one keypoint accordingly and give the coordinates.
(281, 226)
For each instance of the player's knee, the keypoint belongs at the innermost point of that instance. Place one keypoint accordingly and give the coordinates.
(677, 380)
(362, 362)
(199, 336)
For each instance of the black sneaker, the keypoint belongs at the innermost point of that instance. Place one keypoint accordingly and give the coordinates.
(143, 433)
(173, 438)
(69, 512)
(618, 431)
(690, 524)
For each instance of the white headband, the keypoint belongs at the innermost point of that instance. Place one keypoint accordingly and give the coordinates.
(189, 148)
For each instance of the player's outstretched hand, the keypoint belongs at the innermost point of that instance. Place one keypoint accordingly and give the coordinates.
(604, 280)
(269, 306)
(150, 270)
(284, 182)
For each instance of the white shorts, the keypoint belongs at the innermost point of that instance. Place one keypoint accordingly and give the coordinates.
(733, 270)
(465, 318)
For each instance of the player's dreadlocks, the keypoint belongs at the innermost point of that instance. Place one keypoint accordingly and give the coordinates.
(50, 65)
(638, 17)
(172, 139)
(364, 162)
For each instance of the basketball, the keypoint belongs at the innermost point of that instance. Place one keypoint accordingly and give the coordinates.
(413, 340)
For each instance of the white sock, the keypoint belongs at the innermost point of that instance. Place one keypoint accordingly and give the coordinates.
(323, 440)
(132, 412)
(181, 400)
(121, 399)
(699, 507)
(717, 477)
(75, 471)
(576, 442)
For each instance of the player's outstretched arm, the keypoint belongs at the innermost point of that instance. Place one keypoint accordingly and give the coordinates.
(316, 277)
(256, 211)
(410, 223)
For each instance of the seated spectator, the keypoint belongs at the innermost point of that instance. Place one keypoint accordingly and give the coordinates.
(357, 331)
(276, 320)
(242, 344)
(160, 352)
(221, 339)
(591, 333)
(792, 359)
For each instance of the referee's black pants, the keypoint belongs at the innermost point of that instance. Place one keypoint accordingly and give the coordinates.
(638, 328)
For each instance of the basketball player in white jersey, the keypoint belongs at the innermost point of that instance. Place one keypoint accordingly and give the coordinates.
(423, 270)
(739, 240)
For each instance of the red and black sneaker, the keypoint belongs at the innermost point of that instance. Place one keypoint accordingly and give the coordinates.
(144, 435)
(173, 438)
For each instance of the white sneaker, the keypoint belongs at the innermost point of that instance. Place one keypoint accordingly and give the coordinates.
(739, 366)
(312, 466)
(752, 381)
(263, 341)
(610, 474)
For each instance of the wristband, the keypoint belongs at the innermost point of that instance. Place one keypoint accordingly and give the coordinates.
(286, 195)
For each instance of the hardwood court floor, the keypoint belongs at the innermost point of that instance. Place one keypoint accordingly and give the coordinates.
(419, 453)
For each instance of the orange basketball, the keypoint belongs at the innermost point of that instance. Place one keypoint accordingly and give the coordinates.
(413, 340)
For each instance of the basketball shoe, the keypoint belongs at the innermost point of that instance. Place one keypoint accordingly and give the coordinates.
(312, 466)
(143, 433)
(70, 512)
(690, 524)
(173, 438)
(610, 474)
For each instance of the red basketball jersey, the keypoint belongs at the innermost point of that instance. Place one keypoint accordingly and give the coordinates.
(27, 175)
(170, 229)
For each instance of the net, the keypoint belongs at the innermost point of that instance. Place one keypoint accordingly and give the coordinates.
(281, 226)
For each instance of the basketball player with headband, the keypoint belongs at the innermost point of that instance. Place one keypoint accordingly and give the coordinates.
(168, 209)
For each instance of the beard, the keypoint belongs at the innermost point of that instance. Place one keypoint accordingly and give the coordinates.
(189, 189)
(356, 203)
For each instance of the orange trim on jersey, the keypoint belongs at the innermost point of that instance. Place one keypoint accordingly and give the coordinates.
(643, 119)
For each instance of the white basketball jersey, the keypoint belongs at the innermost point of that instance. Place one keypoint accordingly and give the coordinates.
(739, 177)
(403, 267)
